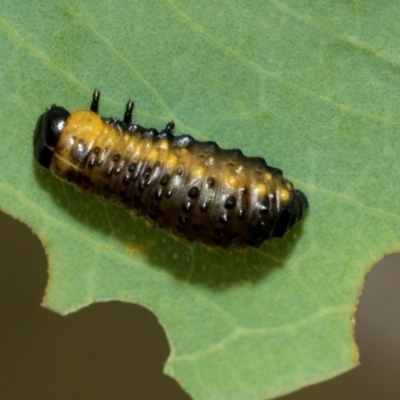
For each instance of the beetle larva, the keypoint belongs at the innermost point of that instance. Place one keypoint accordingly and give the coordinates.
(195, 189)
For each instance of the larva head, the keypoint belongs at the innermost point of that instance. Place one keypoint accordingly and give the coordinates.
(47, 132)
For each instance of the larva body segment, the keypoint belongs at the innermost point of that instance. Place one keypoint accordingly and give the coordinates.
(195, 189)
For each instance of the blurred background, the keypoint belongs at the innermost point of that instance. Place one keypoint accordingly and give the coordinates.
(117, 351)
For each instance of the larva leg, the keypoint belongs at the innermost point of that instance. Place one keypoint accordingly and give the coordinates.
(128, 112)
(94, 106)
(167, 131)
(169, 127)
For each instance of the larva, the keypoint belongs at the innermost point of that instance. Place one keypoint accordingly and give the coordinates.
(194, 189)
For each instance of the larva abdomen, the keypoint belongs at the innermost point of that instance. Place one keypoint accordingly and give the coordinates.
(195, 189)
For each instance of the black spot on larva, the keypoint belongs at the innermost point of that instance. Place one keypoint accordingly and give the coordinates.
(126, 179)
(204, 207)
(230, 202)
(193, 192)
(259, 225)
(134, 177)
(132, 167)
(187, 207)
(91, 163)
(147, 172)
(182, 220)
(201, 208)
(264, 208)
(210, 182)
(224, 218)
(257, 233)
(110, 170)
(158, 194)
(164, 179)
(142, 185)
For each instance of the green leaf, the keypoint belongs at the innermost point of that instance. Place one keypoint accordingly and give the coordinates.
(310, 86)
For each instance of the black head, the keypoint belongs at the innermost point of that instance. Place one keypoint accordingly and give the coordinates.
(47, 132)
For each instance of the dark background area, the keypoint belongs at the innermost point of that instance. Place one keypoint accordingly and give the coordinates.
(116, 350)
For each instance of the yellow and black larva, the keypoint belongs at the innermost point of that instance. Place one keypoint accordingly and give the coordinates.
(195, 189)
